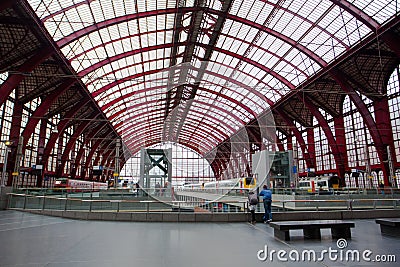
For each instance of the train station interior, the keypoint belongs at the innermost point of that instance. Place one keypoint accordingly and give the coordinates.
(131, 132)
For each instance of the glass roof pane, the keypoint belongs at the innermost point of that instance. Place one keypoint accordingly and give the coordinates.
(311, 10)
(281, 22)
(380, 10)
(241, 8)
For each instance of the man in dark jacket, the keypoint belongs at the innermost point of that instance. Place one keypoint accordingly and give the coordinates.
(267, 200)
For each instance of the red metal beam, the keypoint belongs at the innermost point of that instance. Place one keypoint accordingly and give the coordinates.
(250, 23)
(61, 127)
(268, 52)
(393, 41)
(234, 101)
(123, 38)
(363, 110)
(384, 127)
(325, 127)
(340, 134)
(131, 93)
(146, 142)
(254, 63)
(137, 127)
(14, 80)
(65, 9)
(103, 149)
(149, 133)
(88, 138)
(154, 142)
(201, 103)
(133, 52)
(286, 10)
(204, 133)
(77, 132)
(41, 144)
(278, 35)
(14, 136)
(126, 18)
(311, 140)
(126, 55)
(151, 136)
(233, 37)
(43, 108)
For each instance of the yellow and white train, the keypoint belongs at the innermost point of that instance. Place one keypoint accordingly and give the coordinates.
(238, 183)
(322, 183)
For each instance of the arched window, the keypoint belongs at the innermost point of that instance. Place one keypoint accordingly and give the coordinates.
(359, 144)
(393, 91)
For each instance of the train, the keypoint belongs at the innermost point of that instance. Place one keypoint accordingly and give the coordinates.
(72, 185)
(319, 184)
(238, 183)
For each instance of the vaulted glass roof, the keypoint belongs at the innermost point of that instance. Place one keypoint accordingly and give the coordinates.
(196, 70)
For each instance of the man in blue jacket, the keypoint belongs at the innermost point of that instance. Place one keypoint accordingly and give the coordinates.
(267, 200)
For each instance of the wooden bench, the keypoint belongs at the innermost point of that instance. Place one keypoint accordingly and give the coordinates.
(389, 226)
(311, 229)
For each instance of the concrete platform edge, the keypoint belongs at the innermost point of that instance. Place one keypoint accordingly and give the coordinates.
(217, 217)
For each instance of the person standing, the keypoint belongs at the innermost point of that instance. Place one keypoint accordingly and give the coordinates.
(267, 200)
(157, 189)
(253, 201)
(164, 189)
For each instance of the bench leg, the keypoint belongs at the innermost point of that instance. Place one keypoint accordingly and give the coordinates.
(312, 233)
(390, 230)
(282, 235)
(341, 232)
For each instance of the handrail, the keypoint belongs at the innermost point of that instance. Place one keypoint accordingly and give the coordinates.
(315, 203)
(222, 201)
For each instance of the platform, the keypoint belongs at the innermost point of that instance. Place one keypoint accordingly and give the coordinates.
(37, 240)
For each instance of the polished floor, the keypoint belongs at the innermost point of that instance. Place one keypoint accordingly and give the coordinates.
(34, 240)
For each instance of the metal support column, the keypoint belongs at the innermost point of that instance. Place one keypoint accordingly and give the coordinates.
(156, 170)
(17, 165)
(3, 174)
(116, 161)
(391, 169)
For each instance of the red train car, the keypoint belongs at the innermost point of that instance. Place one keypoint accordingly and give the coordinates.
(71, 185)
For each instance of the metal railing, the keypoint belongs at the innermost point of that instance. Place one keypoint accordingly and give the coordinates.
(92, 203)
(152, 192)
(42, 202)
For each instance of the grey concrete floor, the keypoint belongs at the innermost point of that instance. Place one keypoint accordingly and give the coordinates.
(35, 240)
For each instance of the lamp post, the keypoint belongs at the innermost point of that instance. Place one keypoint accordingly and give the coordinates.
(116, 172)
(15, 174)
